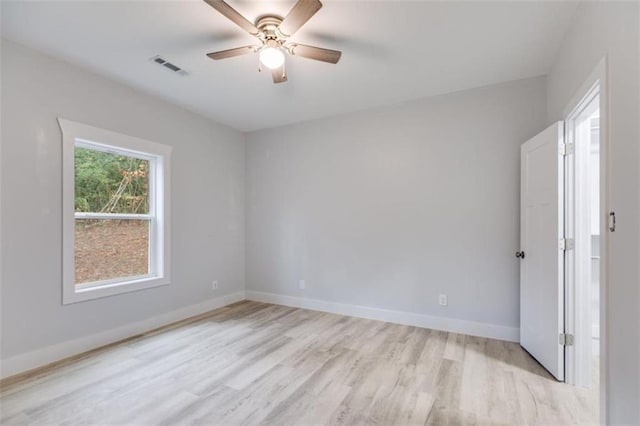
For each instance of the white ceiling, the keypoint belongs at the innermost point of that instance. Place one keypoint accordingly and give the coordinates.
(393, 51)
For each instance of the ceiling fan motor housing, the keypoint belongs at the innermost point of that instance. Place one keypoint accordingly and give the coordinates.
(269, 27)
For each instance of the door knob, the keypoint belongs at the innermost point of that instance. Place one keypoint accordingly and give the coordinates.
(520, 254)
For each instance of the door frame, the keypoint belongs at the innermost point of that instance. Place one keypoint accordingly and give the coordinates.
(575, 300)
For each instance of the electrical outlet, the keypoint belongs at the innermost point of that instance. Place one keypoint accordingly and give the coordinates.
(442, 300)
(303, 285)
(214, 285)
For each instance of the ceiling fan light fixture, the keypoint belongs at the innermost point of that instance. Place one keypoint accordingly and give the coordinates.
(271, 57)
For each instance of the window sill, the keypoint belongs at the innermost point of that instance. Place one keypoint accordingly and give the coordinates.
(96, 291)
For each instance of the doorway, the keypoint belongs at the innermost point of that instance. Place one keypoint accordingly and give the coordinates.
(565, 224)
(583, 207)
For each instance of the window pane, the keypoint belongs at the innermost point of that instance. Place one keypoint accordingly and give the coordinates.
(111, 248)
(110, 183)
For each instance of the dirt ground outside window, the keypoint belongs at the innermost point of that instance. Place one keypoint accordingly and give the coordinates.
(107, 249)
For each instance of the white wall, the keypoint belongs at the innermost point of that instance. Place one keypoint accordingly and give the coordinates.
(389, 208)
(207, 185)
(611, 29)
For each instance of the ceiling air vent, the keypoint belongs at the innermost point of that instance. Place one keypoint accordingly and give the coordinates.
(168, 65)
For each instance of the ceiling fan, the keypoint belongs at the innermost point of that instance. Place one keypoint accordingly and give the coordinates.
(273, 32)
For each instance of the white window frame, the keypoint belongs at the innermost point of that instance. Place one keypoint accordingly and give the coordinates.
(159, 156)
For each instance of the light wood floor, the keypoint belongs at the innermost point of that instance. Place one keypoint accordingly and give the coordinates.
(254, 363)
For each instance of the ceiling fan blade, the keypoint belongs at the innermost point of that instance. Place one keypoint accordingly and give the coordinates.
(317, 53)
(234, 16)
(279, 74)
(230, 53)
(298, 16)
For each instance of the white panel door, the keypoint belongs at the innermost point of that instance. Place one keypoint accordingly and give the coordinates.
(541, 258)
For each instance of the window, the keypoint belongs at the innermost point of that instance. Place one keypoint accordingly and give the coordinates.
(115, 213)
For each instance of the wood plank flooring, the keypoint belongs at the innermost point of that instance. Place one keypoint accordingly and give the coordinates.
(254, 363)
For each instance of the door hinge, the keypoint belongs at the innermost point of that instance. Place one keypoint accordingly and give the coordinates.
(566, 339)
(567, 244)
(566, 149)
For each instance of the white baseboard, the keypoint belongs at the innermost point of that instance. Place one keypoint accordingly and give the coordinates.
(28, 361)
(473, 328)
(39, 357)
